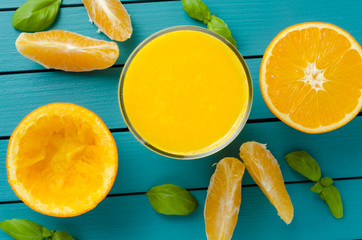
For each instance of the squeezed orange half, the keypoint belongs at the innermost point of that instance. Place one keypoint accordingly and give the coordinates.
(62, 160)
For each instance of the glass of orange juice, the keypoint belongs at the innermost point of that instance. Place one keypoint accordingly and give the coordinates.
(185, 92)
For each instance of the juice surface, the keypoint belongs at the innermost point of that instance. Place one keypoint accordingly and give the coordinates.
(185, 92)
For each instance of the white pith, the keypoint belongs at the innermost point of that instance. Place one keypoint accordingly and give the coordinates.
(103, 5)
(106, 8)
(314, 77)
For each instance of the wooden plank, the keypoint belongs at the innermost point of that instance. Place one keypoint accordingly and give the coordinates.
(97, 91)
(22, 93)
(145, 22)
(18, 3)
(246, 19)
(131, 217)
(338, 153)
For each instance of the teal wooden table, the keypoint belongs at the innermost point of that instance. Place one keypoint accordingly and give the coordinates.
(126, 212)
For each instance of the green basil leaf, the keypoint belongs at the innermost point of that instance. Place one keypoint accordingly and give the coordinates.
(36, 15)
(51, 235)
(303, 163)
(197, 10)
(317, 188)
(60, 235)
(333, 199)
(47, 233)
(219, 26)
(21, 229)
(170, 199)
(326, 181)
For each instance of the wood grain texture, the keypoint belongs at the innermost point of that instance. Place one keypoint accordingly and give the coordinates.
(253, 23)
(22, 93)
(6, 4)
(338, 153)
(97, 91)
(144, 21)
(132, 217)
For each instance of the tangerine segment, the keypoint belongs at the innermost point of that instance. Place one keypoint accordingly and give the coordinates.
(264, 169)
(223, 199)
(67, 51)
(310, 77)
(62, 160)
(111, 17)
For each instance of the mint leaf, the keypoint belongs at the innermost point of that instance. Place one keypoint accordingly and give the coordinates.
(170, 199)
(47, 233)
(317, 188)
(303, 163)
(21, 229)
(36, 15)
(326, 181)
(60, 235)
(217, 25)
(333, 199)
(197, 10)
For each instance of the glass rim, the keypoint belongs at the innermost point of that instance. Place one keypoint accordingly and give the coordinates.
(228, 140)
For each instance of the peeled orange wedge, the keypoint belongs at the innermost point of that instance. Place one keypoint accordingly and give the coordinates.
(264, 169)
(223, 199)
(67, 51)
(111, 17)
(61, 160)
(311, 77)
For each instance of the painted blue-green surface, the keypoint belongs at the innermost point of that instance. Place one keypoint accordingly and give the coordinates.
(132, 218)
(144, 21)
(38, 89)
(338, 153)
(254, 24)
(6, 4)
(22, 93)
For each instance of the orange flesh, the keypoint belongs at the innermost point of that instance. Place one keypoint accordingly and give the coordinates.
(67, 51)
(312, 77)
(111, 17)
(265, 170)
(223, 199)
(65, 163)
(185, 92)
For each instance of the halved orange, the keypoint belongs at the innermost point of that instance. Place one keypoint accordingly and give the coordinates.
(62, 160)
(67, 51)
(223, 199)
(111, 17)
(311, 77)
(264, 169)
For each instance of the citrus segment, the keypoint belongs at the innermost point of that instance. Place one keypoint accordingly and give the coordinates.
(111, 17)
(310, 77)
(67, 51)
(264, 169)
(62, 160)
(223, 199)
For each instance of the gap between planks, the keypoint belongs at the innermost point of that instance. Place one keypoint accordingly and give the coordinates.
(81, 5)
(198, 189)
(114, 66)
(250, 121)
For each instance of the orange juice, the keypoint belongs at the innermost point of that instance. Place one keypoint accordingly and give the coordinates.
(185, 92)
